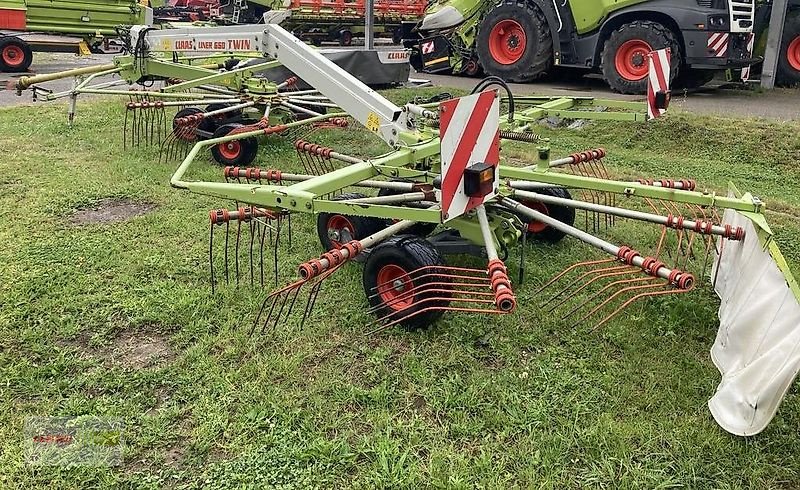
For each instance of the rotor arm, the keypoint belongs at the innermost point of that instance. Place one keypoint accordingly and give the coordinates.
(363, 103)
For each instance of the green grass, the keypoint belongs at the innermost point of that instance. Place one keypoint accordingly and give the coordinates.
(515, 401)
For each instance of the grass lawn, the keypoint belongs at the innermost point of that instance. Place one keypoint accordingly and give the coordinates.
(117, 319)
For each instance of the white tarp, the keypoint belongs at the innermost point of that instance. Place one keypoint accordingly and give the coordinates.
(757, 348)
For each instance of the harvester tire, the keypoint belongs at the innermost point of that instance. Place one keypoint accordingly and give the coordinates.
(565, 214)
(624, 58)
(15, 55)
(237, 153)
(419, 229)
(514, 42)
(385, 280)
(329, 225)
(345, 38)
(789, 60)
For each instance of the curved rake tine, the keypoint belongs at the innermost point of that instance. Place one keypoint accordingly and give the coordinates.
(427, 288)
(569, 286)
(605, 288)
(571, 268)
(636, 298)
(397, 320)
(617, 294)
(275, 296)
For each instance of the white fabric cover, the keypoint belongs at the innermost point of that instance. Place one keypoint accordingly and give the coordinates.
(757, 348)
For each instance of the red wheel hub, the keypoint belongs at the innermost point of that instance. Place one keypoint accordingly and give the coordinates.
(631, 59)
(536, 226)
(793, 53)
(337, 224)
(393, 284)
(507, 42)
(13, 55)
(230, 150)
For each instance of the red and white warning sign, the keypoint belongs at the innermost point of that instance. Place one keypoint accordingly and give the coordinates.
(470, 134)
(427, 47)
(658, 83)
(751, 39)
(718, 43)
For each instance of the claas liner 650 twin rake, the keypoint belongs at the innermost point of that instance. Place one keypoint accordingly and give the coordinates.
(443, 171)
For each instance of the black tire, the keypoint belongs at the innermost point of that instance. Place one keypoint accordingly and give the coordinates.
(15, 55)
(694, 78)
(537, 55)
(419, 229)
(654, 35)
(238, 153)
(406, 253)
(357, 227)
(472, 68)
(205, 125)
(345, 38)
(397, 36)
(565, 214)
(789, 70)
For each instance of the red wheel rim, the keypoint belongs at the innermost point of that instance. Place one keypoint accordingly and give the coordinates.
(793, 53)
(631, 59)
(393, 282)
(507, 42)
(337, 224)
(13, 55)
(230, 150)
(536, 226)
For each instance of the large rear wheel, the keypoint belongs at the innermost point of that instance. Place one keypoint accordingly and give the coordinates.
(514, 42)
(624, 58)
(789, 61)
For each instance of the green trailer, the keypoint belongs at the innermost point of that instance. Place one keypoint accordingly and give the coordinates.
(49, 25)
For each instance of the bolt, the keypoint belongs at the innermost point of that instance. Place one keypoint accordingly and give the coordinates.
(398, 285)
(308, 205)
(293, 203)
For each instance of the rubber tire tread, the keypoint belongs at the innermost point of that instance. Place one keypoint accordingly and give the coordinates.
(537, 60)
(656, 35)
(364, 226)
(410, 252)
(788, 76)
(564, 214)
(246, 156)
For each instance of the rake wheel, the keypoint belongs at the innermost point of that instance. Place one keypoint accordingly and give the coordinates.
(387, 281)
(565, 214)
(237, 153)
(336, 229)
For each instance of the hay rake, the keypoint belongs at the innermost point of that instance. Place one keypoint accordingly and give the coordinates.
(443, 172)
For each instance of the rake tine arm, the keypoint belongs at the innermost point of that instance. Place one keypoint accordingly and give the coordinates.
(649, 265)
(706, 227)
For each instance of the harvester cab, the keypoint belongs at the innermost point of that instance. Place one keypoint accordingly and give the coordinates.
(444, 187)
(521, 41)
